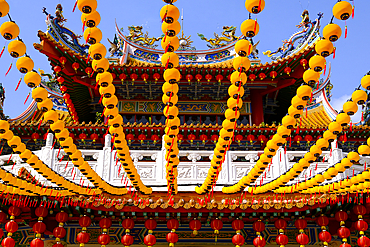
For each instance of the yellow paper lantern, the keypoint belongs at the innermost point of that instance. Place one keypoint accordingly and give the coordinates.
(25, 64)
(249, 28)
(342, 10)
(317, 63)
(91, 19)
(9, 30)
(16, 48)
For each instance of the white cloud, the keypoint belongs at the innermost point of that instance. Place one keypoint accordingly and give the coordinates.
(337, 104)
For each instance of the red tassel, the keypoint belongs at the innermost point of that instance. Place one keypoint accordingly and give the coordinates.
(350, 126)
(101, 98)
(306, 113)
(74, 7)
(18, 84)
(362, 116)
(9, 69)
(83, 27)
(2, 51)
(27, 99)
(87, 38)
(345, 32)
(353, 12)
(40, 123)
(316, 167)
(88, 58)
(325, 69)
(334, 52)
(255, 26)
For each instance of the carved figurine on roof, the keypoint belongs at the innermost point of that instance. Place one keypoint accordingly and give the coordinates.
(136, 35)
(62, 34)
(308, 34)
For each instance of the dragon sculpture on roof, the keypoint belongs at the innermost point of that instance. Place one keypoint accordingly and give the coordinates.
(299, 39)
(136, 35)
(228, 36)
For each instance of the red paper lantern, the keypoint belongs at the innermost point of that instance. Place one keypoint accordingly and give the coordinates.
(344, 232)
(41, 212)
(250, 138)
(39, 227)
(83, 237)
(82, 136)
(300, 224)
(303, 62)
(128, 224)
(11, 226)
(133, 77)
(273, 74)
(259, 226)
(198, 77)
(94, 136)
(325, 236)
(361, 225)
(14, 211)
(63, 89)
(298, 138)
(88, 70)
(189, 77)
(280, 224)
(156, 76)
(154, 138)
(359, 210)
(203, 137)
(63, 60)
(58, 245)
(130, 137)
(214, 138)
(252, 77)
(59, 232)
(238, 138)
(219, 78)
(173, 224)
(345, 245)
(172, 238)
(341, 216)
(3, 217)
(150, 224)
(216, 225)
(262, 76)
(195, 225)
(262, 138)
(322, 220)
(302, 239)
(8, 242)
(57, 69)
(104, 239)
(105, 223)
(66, 96)
(282, 239)
(84, 221)
(142, 137)
(287, 70)
(208, 77)
(150, 240)
(237, 225)
(75, 66)
(308, 138)
(35, 136)
(363, 241)
(145, 77)
(259, 242)
(191, 137)
(180, 137)
(122, 77)
(127, 240)
(60, 79)
(37, 243)
(238, 240)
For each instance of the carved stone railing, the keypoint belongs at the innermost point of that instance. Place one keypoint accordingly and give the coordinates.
(192, 169)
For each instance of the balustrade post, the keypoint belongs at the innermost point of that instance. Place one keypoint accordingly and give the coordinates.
(337, 156)
(105, 159)
(47, 152)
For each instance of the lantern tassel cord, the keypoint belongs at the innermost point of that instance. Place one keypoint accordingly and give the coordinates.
(74, 7)
(11, 65)
(19, 82)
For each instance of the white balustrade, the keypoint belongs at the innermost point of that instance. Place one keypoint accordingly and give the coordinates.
(192, 172)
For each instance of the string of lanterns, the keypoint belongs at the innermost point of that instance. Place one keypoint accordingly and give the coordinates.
(91, 19)
(170, 43)
(238, 78)
(32, 159)
(324, 235)
(39, 227)
(323, 48)
(281, 239)
(59, 231)
(150, 239)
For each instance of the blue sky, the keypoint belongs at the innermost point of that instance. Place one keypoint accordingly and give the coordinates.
(277, 22)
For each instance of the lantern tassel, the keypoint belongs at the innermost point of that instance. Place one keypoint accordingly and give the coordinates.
(334, 52)
(2, 51)
(18, 84)
(74, 7)
(87, 38)
(9, 69)
(345, 32)
(84, 23)
(27, 99)
(353, 11)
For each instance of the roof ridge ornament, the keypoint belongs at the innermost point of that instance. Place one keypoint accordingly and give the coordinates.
(227, 37)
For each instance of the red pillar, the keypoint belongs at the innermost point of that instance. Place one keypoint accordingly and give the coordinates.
(257, 106)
